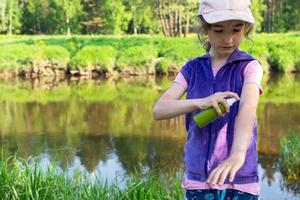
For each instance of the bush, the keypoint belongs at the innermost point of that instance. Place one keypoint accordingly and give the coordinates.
(24, 57)
(281, 59)
(56, 53)
(92, 57)
(180, 50)
(162, 66)
(19, 56)
(136, 53)
(136, 57)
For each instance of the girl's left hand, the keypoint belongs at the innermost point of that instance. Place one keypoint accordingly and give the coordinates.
(229, 167)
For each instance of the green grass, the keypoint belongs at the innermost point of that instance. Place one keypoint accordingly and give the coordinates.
(18, 57)
(95, 57)
(21, 179)
(137, 57)
(277, 52)
(289, 157)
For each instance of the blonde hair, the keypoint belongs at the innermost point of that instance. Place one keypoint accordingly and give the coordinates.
(204, 27)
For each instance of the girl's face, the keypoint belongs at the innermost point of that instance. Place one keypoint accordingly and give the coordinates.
(225, 37)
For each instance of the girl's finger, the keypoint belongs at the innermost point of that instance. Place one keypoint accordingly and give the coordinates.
(232, 94)
(217, 108)
(224, 175)
(212, 174)
(232, 174)
(216, 176)
(224, 102)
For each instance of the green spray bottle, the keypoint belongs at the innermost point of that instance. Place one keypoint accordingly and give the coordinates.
(208, 115)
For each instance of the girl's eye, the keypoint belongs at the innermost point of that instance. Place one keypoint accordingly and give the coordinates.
(218, 31)
(237, 30)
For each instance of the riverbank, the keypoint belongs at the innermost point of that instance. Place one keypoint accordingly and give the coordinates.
(94, 56)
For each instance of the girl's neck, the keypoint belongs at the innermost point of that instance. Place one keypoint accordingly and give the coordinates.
(217, 60)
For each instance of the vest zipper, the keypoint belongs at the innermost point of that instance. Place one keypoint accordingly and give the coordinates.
(210, 125)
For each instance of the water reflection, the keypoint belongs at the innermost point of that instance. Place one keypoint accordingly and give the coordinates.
(105, 127)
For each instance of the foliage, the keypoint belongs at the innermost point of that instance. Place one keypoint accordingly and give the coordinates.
(25, 57)
(24, 179)
(287, 15)
(162, 66)
(276, 52)
(91, 57)
(168, 17)
(10, 11)
(136, 57)
(258, 8)
(289, 158)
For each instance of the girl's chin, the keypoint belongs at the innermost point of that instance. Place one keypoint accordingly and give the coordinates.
(226, 50)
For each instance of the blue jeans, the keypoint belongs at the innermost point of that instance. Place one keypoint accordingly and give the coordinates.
(219, 195)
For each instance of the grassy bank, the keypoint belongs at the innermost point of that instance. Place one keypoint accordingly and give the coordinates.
(289, 158)
(23, 180)
(289, 161)
(129, 54)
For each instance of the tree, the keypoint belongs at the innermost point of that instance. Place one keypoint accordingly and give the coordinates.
(10, 12)
(258, 8)
(92, 21)
(72, 10)
(35, 15)
(115, 19)
(174, 13)
(281, 15)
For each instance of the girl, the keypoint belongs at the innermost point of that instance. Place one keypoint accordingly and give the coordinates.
(221, 158)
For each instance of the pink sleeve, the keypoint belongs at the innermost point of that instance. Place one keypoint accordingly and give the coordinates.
(253, 74)
(181, 80)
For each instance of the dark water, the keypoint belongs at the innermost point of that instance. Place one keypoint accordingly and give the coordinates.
(113, 135)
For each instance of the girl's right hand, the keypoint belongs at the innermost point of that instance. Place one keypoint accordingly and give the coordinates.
(215, 99)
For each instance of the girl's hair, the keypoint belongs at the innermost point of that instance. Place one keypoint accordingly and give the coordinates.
(204, 26)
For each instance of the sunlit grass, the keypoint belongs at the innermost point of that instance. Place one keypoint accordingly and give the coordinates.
(279, 52)
(23, 179)
(289, 157)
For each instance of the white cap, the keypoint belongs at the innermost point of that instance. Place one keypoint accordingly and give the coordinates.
(214, 11)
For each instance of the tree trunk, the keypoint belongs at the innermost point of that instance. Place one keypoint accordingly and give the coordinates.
(10, 25)
(176, 28)
(68, 25)
(180, 24)
(170, 21)
(162, 19)
(187, 24)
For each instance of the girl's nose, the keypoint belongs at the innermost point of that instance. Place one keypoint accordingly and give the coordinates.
(228, 39)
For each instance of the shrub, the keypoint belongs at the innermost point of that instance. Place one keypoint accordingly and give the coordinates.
(179, 50)
(19, 56)
(136, 57)
(91, 57)
(56, 53)
(162, 66)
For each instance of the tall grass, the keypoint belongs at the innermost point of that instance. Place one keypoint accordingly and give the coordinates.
(289, 157)
(277, 52)
(93, 57)
(21, 179)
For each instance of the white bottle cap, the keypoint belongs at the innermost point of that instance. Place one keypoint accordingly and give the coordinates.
(231, 101)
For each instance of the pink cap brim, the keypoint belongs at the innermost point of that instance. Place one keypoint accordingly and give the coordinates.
(225, 15)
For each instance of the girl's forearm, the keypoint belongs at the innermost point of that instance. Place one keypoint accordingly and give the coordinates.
(244, 128)
(165, 109)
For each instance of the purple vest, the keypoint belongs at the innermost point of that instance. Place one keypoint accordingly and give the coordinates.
(207, 147)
